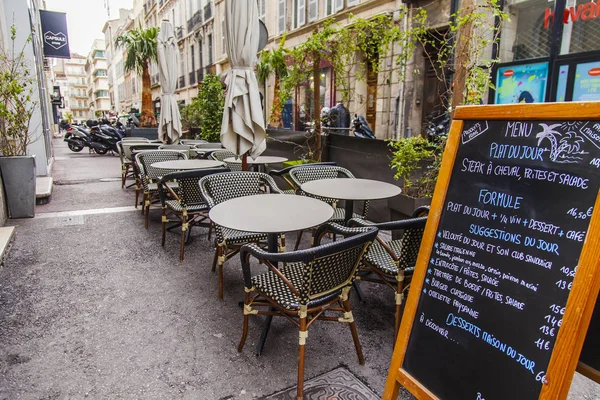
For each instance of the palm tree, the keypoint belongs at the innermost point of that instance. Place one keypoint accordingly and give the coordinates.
(273, 61)
(141, 46)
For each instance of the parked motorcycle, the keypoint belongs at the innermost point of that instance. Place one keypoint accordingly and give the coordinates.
(438, 124)
(362, 128)
(96, 139)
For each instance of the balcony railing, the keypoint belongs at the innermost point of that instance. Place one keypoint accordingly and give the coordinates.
(200, 75)
(194, 21)
(181, 82)
(179, 32)
(192, 78)
(208, 14)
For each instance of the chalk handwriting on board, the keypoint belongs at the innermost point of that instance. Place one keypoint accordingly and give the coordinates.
(565, 148)
(476, 130)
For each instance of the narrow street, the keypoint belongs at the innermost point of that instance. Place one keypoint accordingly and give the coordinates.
(92, 306)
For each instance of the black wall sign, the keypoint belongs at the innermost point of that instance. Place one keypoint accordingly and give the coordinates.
(506, 250)
(54, 34)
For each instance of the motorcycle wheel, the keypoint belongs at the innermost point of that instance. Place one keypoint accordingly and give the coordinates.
(74, 147)
(101, 151)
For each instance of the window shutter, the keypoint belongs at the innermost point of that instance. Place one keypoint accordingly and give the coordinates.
(313, 10)
(301, 12)
(281, 16)
(352, 2)
(338, 5)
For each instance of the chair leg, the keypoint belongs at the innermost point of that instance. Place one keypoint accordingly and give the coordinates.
(137, 194)
(184, 228)
(147, 210)
(210, 227)
(220, 262)
(215, 258)
(164, 225)
(245, 328)
(282, 246)
(348, 315)
(123, 176)
(298, 238)
(302, 343)
(399, 300)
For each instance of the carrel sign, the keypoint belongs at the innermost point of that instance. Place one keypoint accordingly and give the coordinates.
(574, 13)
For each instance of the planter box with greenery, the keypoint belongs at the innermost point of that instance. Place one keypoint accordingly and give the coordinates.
(417, 162)
(17, 83)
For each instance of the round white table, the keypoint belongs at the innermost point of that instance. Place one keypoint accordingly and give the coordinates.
(271, 214)
(187, 164)
(351, 190)
(260, 160)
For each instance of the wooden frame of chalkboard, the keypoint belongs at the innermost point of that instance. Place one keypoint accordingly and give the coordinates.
(554, 382)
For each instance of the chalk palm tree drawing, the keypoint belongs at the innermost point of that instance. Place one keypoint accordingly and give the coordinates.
(564, 148)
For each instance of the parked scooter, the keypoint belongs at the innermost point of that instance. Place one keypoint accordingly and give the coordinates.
(438, 124)
(97, 139)
(362, 129)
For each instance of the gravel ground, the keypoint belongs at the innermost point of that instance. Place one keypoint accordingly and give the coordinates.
(93, 306)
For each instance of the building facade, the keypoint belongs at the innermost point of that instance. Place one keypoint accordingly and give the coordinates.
(97, 81)
(75, 95)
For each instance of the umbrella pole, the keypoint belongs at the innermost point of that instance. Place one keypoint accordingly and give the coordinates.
(245, 162)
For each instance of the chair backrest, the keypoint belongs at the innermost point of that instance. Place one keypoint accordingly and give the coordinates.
(410, 242)
(230, 185)
(135, 139)
(188, 184)
(209, 146)
(130, 146)
(180, 147)
(147, 158)
(221, 155)
(284, 172)
(305, 173)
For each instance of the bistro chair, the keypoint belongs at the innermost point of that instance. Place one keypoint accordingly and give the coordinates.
(180, 196)
(207, 145)
(305, 173)
(230, 185)
(135, 139)
(129, 151)
(284, 174)
(124, 148)
(221, 155)
(184, 148)
(312, 284)
(150, 175)
(392, 262)
(193, 142)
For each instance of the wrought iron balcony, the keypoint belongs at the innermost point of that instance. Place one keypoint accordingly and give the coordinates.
(192, 78)
(179, 32)
(181, 82)
(208, 12)
(194, 21)
(200, 75)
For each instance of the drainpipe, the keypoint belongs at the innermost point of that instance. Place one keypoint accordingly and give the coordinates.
(401, 103)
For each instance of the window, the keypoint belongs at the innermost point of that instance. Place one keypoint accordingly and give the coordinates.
(281, 17)
(223, 36)
(99, 54)
(210, 49)
(79, 103)
(299, 13)
(352, 2)
(262, 9)
(85, 103)
(193, 59)
(313, 10)
(200, 54)
(333, 6)
(181, 65)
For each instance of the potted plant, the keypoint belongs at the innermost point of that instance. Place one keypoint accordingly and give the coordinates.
(209, 105)
(417, 162)
(17, 85)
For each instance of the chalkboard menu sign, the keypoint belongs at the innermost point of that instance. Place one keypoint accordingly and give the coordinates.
(589, 362)
(504, 249)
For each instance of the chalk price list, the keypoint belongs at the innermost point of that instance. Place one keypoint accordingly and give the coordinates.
(502, 230)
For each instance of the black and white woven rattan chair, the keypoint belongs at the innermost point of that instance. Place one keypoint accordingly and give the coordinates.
(306, 173)
(392, 262)
(229, 185)
(151, 175)
(311, 285)
(284, 174)
(180, 197)
(221, 155)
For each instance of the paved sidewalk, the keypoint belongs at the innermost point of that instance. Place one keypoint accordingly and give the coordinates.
(92, 306)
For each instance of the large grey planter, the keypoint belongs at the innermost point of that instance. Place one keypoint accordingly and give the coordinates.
(18, 176)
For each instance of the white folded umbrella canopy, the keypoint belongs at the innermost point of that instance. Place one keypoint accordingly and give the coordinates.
(169, 126)
(243, 127)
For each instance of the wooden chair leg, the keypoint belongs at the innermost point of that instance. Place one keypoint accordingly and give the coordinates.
(348, 315)
(215, 258)
(220, 262)
(399, 300)
(210, 228)
(123, 176)
(298, 238)
(302, 343)
(184, 228)
(282, 246)
(137, 194)
(147, 211)
(164, 225)
(245, 328)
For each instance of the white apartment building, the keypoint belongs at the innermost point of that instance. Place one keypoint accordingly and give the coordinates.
(114, 56)
(97, 79)
(75, 95)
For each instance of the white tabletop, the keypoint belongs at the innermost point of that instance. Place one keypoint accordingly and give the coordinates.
(271, 213)
(258, 160)
(187, 164)
(351, 189)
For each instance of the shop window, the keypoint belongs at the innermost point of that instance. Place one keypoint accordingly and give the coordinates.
(581, 28)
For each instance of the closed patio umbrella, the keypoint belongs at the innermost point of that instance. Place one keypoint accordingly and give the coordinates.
(243, 127)
(169, 126)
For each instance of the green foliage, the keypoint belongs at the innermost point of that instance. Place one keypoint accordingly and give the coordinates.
(17, 84)
(69, 117)
(409, 156)
(141, 46)
(208, 107)
(189, 116)
(272, 62)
